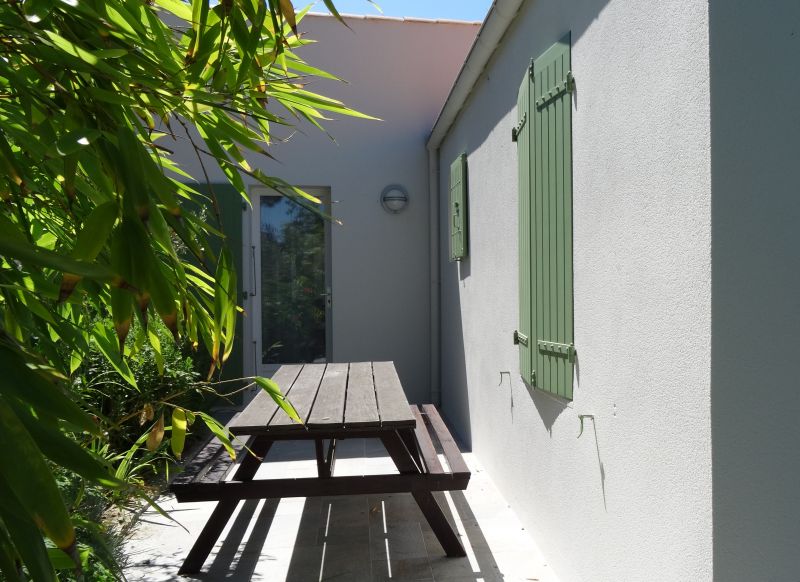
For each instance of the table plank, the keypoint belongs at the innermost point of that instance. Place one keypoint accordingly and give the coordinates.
(361, 408)
(328, 410)
(260, 411)
(392, 403)
(304, 390)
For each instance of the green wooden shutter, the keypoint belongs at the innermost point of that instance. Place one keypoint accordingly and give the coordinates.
(550, 215)
(551, 105)
(522, 136)
(458, 208)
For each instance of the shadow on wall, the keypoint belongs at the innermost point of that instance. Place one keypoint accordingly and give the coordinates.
(455, 394)
(464, 268)
(755, 275)
(549, 407)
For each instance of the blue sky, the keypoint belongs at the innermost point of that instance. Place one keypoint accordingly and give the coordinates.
(453, 9)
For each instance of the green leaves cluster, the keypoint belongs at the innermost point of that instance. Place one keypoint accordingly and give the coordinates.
(99, 224)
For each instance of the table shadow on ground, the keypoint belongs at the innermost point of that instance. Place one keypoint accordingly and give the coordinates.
(353, 538)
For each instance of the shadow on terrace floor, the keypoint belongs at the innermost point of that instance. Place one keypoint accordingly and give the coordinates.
(347, 538)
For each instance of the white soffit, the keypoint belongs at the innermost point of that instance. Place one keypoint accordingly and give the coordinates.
(500, 16)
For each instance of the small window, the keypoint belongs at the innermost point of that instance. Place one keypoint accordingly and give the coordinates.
(458, 208)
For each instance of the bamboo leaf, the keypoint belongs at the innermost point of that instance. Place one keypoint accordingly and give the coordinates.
(155, 343)
(41, 257)
(121, 314)
(25, 534)
(330, 6)
(224, 306)
(75, 360)
(271, 387)
(222, 433)
(288, 13)
(8, 556)
(32, 481)
(90, 241)
(178, 437)
(107, 345)
(156, 434)
(147, 414)
(61, 449)
(75, 141)
(97, 227)
(73, 49)
(180, 9)
(33, 387)
(61, 561)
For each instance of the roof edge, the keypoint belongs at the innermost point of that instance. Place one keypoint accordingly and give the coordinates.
(499, 18)
(397, 18)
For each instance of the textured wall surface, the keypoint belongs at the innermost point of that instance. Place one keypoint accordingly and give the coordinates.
(631, 500)
(401, 73)
(755, 178)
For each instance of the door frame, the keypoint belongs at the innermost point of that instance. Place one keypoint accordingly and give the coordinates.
(251, 279)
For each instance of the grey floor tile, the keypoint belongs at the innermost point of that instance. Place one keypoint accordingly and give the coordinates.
(346, 562)
(460, 569)
(398, 508)
(401, 570)
(350, 448)
(345, 534)
(401, 540)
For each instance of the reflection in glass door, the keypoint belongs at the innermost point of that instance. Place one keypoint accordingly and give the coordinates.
(294, 297)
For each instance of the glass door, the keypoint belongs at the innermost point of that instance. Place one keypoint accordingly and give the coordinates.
(290, 308)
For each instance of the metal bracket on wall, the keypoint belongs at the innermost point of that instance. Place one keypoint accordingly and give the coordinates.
(582, 417)
(515, 131)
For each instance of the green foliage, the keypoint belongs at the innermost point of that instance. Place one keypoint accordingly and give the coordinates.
(169, 372)
(100, 234)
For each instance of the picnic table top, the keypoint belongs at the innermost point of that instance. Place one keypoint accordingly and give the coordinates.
(330, 397)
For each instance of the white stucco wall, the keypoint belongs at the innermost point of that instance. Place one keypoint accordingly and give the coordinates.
(755, 170)
(631, 500)
(401, 72)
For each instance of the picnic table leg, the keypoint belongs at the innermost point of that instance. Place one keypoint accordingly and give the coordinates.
(404, 460)
(325, 462)
(224, 509)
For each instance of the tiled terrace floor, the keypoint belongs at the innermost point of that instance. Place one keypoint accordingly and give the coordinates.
(353, 538)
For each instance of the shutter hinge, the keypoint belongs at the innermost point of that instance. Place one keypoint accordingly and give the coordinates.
(557, 349)
(567, 85)
(515, 131)
(530, 69)
(520, 338)
(570, 82)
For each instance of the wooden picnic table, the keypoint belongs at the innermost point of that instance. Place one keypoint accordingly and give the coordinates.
(335, 402)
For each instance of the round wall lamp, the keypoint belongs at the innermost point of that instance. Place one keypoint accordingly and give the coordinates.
(394, 198)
